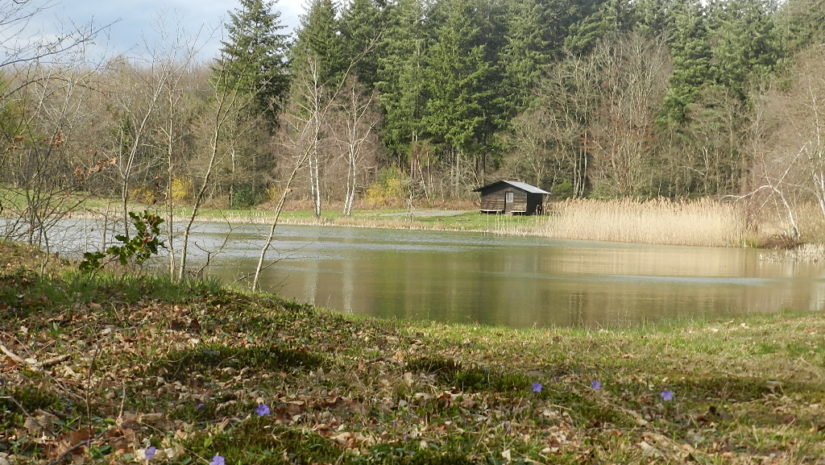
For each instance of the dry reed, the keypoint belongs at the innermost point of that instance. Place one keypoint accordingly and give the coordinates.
(703, 222)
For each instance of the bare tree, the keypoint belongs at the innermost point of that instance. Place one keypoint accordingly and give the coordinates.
(139, 97)
(18, 48)
(228, 106)
(633, 80)
(39, 159)
(354, 133)
(178, 63)
(788, 140)
(306, 113)
(551, 138)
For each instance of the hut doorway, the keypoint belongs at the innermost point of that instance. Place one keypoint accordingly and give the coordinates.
(508, 202)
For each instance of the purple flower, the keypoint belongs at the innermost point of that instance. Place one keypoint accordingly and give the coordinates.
(200, 406)
(536, 387)
(262, 410)
(666, 395)
(596, 384)
(217, 460)
(149, 453)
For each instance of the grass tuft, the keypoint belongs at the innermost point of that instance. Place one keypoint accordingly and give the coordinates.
(181, 364)
(258, 440)
(472, 379)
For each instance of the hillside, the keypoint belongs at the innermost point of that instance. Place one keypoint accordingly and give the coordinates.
(134, 369)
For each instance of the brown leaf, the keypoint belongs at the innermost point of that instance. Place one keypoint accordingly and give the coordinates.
(76, 437)
(345, 439)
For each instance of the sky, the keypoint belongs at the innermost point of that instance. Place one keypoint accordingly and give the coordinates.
(134, 24)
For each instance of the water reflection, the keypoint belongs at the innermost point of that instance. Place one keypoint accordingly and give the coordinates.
(519, 282)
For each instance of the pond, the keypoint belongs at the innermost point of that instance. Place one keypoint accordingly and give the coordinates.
(497, 280)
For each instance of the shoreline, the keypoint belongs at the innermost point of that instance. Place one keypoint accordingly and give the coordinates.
(701, 222)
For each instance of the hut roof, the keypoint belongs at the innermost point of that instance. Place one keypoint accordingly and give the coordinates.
(518, 185)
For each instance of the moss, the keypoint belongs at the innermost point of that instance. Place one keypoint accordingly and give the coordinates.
(258, 440)
(468, 379)
(30, 398)
(19, 400)
(180, 365)
(410, 453)
(443, 368)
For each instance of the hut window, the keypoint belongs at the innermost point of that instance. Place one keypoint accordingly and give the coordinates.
(509, 197)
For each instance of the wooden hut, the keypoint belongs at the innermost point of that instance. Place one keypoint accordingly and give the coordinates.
(512, 197)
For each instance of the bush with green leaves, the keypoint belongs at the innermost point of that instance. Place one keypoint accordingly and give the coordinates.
(136, 249)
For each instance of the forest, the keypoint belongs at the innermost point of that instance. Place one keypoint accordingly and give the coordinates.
(375, 103)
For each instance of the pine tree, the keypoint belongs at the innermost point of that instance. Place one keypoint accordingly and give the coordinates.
(400, 77)
(744, 43)
(526, 52)
(254, 57)
(652, 17)
(319, 40)
(611, 18)
(801, 23)
(690, 52)
(460, 109)
(361, 28)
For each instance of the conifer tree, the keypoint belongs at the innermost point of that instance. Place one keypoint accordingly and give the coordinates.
(690, 54)
(525, 53)
(801, 24)
(361, 29)
(652, 17)
(460, 109)
(319, 41)
(744, 43)
(400, 77)
(611, 18)
(253, 59)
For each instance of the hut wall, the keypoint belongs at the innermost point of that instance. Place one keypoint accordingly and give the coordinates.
(520, 200)
(492, 199)
(492, 202)
(495, 200)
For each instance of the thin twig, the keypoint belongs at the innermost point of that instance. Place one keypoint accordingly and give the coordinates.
(55, 360)
(14, 401)
(12, 355)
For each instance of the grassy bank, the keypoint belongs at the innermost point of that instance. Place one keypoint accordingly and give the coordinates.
(701, 222)
(104, 369)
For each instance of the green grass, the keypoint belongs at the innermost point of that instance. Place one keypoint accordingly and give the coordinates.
(183, 364)
(183, 367)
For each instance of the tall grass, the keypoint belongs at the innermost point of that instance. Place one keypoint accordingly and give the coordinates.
(701, 222)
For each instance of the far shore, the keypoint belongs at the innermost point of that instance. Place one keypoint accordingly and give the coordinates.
(702, 222)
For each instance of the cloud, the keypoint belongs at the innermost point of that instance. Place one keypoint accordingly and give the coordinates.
(135, 25)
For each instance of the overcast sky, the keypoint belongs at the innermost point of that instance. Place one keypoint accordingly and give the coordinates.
(134, 23)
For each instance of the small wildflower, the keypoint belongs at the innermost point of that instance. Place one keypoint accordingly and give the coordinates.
(596, 384)
(218, 460)
(537, 387)
(666, 395)
(200, 406)
(149, 453)
(262, 410)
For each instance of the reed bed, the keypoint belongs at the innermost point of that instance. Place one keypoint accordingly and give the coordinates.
(703, 222)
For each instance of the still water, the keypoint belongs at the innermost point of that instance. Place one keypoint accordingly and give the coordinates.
(518, 282)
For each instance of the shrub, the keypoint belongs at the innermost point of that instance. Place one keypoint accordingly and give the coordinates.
(389, 189)
(181, 189)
